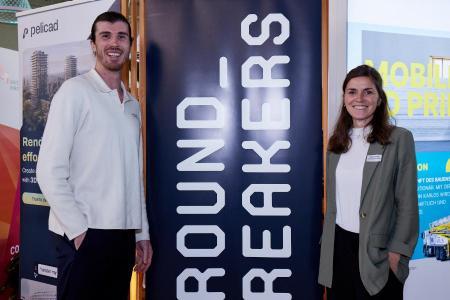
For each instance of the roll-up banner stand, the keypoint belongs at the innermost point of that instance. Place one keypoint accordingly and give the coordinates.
(10, 120)
(234, 148)
(53, 46)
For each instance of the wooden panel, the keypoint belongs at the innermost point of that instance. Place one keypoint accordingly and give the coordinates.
(142, 92)
(142, 95)
(126, 67)
(134, 77)
(134, 67)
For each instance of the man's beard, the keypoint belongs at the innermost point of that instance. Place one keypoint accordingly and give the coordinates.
(111, 66)
(114, 67)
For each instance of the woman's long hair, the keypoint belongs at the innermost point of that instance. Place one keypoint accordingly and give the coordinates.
(340, 141)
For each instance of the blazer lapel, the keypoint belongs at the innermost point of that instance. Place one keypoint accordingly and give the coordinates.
(370, 166)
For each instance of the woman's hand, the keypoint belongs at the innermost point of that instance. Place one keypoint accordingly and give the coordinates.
(394, 258)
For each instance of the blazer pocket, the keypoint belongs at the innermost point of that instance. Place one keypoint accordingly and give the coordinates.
(378, 240)
(377, 250)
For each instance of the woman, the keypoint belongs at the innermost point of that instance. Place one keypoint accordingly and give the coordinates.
(371, 224)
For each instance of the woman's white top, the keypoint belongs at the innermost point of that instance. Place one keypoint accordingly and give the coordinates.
(349, 173)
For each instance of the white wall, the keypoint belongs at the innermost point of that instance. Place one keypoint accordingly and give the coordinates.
(10, 96)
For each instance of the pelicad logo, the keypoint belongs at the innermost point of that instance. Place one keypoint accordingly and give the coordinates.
(40, 28)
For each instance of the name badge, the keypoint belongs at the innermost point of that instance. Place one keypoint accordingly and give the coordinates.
(374, 158)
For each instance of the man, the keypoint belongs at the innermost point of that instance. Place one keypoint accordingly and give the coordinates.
(90, 171)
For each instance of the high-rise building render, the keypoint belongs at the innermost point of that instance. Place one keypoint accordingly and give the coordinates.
(39, 75)
(70, 67)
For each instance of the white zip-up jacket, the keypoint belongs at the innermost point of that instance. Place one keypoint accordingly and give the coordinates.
(90, 166)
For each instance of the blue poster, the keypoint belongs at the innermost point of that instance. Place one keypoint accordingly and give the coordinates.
(234, 148)
(434, 205)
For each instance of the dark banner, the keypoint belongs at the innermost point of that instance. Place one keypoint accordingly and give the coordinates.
(234, 148)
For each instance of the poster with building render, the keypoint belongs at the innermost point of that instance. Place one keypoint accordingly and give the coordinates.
(53, 47)
(409, 43)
